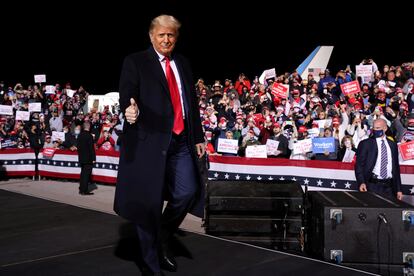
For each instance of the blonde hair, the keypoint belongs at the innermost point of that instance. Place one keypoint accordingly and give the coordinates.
(165, 21)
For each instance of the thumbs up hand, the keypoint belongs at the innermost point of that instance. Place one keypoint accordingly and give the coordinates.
(132, 112)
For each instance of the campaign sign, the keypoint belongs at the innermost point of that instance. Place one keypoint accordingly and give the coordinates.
(365, 72)
(349, 156)
(39, 78)
(22, 115)
(351, 87)
(302, 146)
(58, 135)
(280, 90)
(227, 145)
(50, 89)
(271, 146)
(407, 150)
(256, 151)
(267, 74)
(48, 152)
(35, 107)
(6, 109)
(320, 145)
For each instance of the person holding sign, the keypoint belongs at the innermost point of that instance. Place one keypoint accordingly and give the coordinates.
(162, 145)
(330, 146)
(377, 166)
(282, 149)
(347, 151)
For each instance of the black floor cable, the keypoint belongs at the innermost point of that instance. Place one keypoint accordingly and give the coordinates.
(382, 218)
(378, 246)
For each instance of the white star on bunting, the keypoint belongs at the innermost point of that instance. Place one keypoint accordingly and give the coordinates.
(319, 183)
(216, 175)
(333, 184)
(306, 181)
(248, 177)
(270, 178)
(259, 178)
(226, 176)
(237, 177)
(347, 185)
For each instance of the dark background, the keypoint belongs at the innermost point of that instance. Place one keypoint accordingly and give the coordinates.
(86, 44)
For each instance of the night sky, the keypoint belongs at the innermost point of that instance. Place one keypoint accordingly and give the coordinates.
(86, 45)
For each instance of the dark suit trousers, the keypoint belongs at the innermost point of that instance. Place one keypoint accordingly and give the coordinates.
(181, 186)
(86, 172)
(381, 189)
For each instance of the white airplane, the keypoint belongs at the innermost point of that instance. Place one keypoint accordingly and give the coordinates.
(315, 62)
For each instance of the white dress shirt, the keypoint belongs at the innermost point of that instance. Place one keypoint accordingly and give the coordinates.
(162, 61)
(377, 168)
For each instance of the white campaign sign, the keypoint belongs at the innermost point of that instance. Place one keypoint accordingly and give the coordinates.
(58, 135)
(50, 89)
(227, 145)
(349, 156)
(272, 146)
(6, 109)
(267, 74)
(39, 78)
(256, 151)
(365, 72)
(35, 107)
(302, 146)
(70, 92)
(22, 115)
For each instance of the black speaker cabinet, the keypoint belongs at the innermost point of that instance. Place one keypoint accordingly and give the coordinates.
(255, 197)
(263, 213)
(354, 227)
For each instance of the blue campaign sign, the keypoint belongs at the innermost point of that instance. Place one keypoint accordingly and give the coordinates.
(320, 145)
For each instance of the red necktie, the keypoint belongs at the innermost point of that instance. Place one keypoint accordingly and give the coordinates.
(175, 98)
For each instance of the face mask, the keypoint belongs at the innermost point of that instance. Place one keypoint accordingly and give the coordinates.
(77, 131)
(347, 144)
(223, 125)
(378, 133)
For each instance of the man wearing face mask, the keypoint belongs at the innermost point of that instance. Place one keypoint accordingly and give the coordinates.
(377, 167)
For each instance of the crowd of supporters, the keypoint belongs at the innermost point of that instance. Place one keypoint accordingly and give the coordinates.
(58, 113)
(244, 110)
(249, 112)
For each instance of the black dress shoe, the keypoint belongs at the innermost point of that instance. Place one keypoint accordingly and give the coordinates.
(85, 193)
(167, 261)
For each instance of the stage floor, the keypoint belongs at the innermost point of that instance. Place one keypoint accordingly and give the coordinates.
(41, 237)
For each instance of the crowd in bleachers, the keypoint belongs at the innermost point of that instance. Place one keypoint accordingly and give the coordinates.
(59, 112)
(244, 110)
(249, 112)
